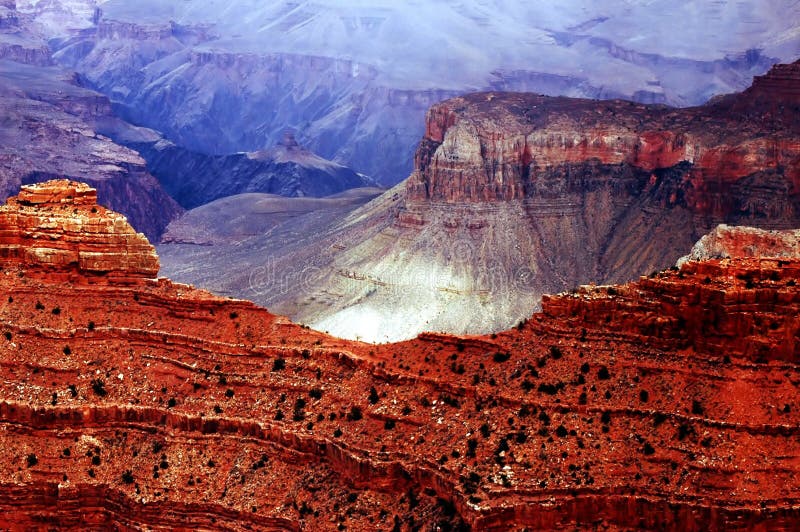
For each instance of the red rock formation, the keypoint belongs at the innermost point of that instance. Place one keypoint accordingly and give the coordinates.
(740, 242)
(780, 83)
(152, 404)
(503, 146)
(59, 226)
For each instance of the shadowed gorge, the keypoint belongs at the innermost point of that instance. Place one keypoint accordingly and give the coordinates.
(130, 401)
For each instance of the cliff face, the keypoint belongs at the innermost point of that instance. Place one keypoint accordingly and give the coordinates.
(146, 403)
(519, 195)
(490, 146)
(51, 130)
(194, 178)
(217, 101)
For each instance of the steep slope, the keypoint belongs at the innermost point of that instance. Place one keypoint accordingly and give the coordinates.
(135, 402)
(237, 73)
(516, 195)
(287, 169)
(49, 127)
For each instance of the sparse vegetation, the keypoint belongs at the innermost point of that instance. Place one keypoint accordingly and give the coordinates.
(99, 387)
(373, 396)
(472, 446)
(501, 357)
(355, 414)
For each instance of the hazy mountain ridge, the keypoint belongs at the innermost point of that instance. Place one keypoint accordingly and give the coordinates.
(253, 69)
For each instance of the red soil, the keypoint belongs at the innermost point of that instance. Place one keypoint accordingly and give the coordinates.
(138, 403)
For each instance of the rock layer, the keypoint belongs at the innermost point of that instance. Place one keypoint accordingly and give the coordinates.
(502, 146)
(152, 404)
(519, 195)
(738, 242)
(58, 225)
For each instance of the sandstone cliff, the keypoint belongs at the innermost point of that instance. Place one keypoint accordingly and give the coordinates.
(58, 226)
(518, 195)
(149, 404)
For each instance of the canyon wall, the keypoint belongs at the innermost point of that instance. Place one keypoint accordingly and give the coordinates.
(518, 195)
(134, 402)
(51, 130)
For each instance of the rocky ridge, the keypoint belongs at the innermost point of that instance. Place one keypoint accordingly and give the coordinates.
(518, 195)
(59, 226)
(727, 241)
(506, 146)
(51, 128)
(147, 403)
(287, 169)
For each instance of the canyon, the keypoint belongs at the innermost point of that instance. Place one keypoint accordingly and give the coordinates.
(51, 127)
(355, 80)
(132, 401)
(517, 195)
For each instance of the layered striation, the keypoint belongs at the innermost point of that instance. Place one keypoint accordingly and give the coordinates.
(234, 83)
(59, 226)
(507, 146)
(150, 404)
(516, 195)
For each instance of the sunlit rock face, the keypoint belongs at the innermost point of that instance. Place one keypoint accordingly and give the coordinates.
(517, 195)
(58, 226)
(139, 403)
(355, 79)
(727, 241)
